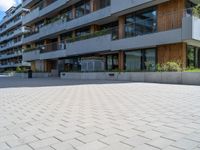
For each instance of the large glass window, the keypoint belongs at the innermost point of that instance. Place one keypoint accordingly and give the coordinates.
(133, 60)
(193, 56)
(141, 22)
(83, 8)
(140, 60)
(149, 60)
(112, 62)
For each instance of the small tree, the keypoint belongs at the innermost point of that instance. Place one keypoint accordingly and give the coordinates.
(196, 10)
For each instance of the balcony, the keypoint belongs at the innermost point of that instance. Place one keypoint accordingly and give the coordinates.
(11, 45)
(191, 29)
(172, 32)
(13, 64)
(31, 16)
(81, 45)
(10, 25)
(42, 10)
(31, 55)
(14, 54)
(26, 2)
(62, 25)
(15, 33)
(118, 6)
(17, 11)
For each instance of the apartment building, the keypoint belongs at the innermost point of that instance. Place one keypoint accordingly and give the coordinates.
(110, 35)
(11, 36)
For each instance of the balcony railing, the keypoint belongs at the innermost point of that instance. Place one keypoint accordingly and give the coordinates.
(129, 31)
(63, 44)
(57, 20)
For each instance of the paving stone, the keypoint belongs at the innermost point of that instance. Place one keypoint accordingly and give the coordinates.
(185, 144)
(118, 146)
(44, 143)
(112, 139)
(160, 143)
(136, 140)
(145, 147)
(68, 136)
(22, 147)
(4, 146)
(92, 146)
(90, 137)
(151, 134)
(62, 146)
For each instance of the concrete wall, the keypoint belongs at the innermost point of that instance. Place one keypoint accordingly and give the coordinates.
(151, 77)
(32, 55)
(118, 5)
(96, 44)
(190, 29)
(34, 75)
(153, 39)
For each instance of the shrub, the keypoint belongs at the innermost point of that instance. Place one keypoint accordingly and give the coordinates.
(171, 66)
(18, 70)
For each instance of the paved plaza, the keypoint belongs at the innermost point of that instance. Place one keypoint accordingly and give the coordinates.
(54, 114)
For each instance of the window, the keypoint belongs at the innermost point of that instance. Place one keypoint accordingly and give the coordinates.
(141, 22)
(69, 15)
(140, 60)
(149, 60)
(83, 8)
(112, 62)
(193, 56)
(82, 32)
(104, 3)
(133, 60)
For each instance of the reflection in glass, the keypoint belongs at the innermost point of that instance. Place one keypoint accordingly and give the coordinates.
(133, 60)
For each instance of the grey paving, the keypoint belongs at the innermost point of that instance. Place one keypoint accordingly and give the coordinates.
(54, 114)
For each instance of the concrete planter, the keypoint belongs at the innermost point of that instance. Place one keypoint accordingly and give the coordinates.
(150, 77)
(35, 75)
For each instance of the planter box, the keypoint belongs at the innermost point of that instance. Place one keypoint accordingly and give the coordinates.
(35, 75)
(149, 77)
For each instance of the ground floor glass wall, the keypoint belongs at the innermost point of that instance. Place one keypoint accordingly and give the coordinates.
(140, 60)
(193, 56)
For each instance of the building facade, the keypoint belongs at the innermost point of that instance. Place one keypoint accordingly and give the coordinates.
(110, 35)
(11, 37)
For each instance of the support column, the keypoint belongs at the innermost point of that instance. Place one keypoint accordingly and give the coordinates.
(121, 27)
(94, 28)
(121, 60)
(73, 11)
(92, 5)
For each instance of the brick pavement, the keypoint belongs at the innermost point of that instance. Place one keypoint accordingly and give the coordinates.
(54, 114)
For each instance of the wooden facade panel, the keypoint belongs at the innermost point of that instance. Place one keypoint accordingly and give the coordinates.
(172, 52)
(170, 14)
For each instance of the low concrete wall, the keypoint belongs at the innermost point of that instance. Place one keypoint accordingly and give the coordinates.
(151, 77)
(34, 75)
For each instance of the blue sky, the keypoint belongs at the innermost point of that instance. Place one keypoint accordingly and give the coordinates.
(6, 4)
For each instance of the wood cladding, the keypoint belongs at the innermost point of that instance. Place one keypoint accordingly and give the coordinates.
(121, 60)
(121, 27)
(172, 52)
(170, 14)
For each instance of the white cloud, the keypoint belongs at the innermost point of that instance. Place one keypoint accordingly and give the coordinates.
(6, 4)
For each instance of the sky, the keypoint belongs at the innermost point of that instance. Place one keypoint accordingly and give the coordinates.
(6, 4)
